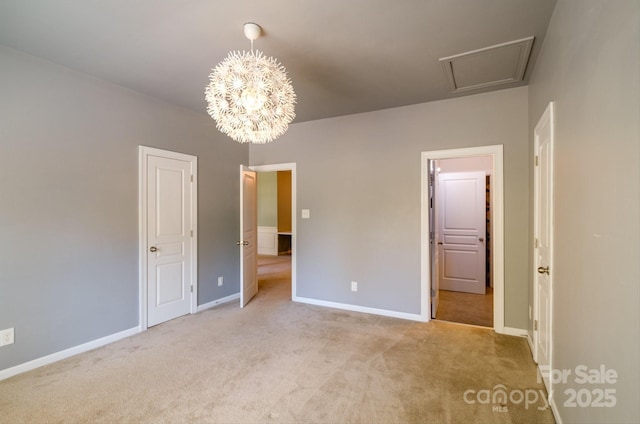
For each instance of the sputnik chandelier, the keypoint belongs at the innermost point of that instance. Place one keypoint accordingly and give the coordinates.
(250, 95)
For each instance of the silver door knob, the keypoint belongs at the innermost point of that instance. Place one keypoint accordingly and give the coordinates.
(153, 249)
(543, 270)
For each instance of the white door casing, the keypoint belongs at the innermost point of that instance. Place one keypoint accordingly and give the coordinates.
(434, 252)
(543, 244)
(248, 235)
(497, 208)
(462, 231)
(167, 235)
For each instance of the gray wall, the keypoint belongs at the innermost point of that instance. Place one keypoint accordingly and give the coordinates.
(589, 65)
(360, 177)
(69, 203)
(267, 199)
(480, 163)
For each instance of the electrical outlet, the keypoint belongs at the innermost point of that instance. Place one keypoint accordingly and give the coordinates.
(6, 337)
(220, 281)
(354, 286)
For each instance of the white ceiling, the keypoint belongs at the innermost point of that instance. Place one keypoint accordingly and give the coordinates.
(343, 56)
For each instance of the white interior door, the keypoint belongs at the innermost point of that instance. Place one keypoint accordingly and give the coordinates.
(543, 232)
(462, 231)
(169, 244)
(248, 235)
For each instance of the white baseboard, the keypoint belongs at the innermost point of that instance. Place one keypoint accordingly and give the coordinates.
(364, 309)
(67, 353)
(85, 347)
(510, 331)
(554, 409)
(551, 400)
(530, 343)
(217, 302)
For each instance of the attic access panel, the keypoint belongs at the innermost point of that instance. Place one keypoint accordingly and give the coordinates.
(487, 67)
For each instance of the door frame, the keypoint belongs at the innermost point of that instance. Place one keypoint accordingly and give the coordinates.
(143, 153)
(434, 257)
(497, 205)
(287, 167)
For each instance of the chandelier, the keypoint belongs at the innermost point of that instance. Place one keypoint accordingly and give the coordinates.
(250, 95)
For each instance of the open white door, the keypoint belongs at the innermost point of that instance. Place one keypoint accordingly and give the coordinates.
(462, 231)
(543, 243)
(248, 235)
(167, 241)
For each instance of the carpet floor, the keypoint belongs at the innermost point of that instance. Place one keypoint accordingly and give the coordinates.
(466, 308)
(276, 361)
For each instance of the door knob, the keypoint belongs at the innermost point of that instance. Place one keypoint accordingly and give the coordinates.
(439, 243)
(543, 270)
(153, 249)
(480, 239)
(242, 243)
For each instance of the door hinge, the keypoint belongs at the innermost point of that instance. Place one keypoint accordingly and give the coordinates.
(191, 177)
(191, 233)
(537, 161)
(191, 289)
(535, 242)
(535, 325)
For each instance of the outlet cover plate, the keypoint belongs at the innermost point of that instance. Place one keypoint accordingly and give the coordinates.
(6, 337)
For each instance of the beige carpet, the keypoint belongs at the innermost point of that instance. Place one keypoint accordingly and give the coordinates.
(276, 361)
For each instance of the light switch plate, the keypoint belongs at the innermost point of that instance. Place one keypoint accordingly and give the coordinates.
(306, 214)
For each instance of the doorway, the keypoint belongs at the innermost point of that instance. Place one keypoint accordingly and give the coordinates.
(167, 235)
(277, 239)
(431, 259)
(461, 216)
